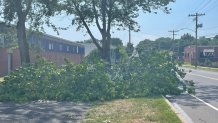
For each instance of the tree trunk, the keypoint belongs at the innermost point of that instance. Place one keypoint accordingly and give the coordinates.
(106, 49)
(105, 41)
(22, 41)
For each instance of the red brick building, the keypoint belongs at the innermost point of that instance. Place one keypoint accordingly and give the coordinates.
(49, 47)
(203, 52)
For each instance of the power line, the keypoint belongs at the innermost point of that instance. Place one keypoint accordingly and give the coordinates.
(205, 5)
(174, 33)
(212, 7)
(187, 23)
(210, 34)
(209, 28)
(200, 5)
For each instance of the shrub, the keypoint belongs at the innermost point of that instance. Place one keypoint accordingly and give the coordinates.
(89, 82)
(32, 82)
(152, 73)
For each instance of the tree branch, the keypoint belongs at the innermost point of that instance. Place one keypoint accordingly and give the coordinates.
(103, 7)
(111, 3)
(86, 26)
(96, 16)
(29, 4)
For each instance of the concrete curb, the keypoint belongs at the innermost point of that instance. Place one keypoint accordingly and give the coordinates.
(182, 116)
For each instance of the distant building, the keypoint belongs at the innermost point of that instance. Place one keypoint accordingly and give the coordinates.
(114, 55)
(49, 47)
(203, 53)
(89, 47)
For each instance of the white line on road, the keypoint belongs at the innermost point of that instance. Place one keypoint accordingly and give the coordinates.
(188, 119)
(213, 107)
(203, 76)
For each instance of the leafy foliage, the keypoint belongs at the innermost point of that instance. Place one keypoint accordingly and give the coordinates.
(129, 48)
(19, 12)
(32, 82)
(152, 73)
(8, 35)
(105, 14)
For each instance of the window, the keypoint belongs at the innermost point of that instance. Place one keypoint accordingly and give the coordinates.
(50, 46)
(68, 48)
(208, 53)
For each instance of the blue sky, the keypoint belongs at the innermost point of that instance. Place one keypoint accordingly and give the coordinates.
(156, 25)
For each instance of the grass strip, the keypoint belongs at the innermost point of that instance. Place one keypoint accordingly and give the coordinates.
(1, 79)
(140, 110)
(201, 68)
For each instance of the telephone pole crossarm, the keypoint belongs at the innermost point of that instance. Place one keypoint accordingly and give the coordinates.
(196, 15)
(174, 33)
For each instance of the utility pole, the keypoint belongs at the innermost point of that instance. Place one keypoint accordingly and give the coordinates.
(174, 33)
(196, 15)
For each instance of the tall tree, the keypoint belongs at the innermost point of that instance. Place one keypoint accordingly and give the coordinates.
(21, 11)
(188, 37)
(116, 42)
(107, 13)
(164, 43)
(146, 46)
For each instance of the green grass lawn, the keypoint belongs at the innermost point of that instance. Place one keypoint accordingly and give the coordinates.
(200, 67)
(142, 110)
(1, 79)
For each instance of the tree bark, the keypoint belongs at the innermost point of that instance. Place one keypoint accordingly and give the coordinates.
(105, 41)
(21, 33)
(22, 42)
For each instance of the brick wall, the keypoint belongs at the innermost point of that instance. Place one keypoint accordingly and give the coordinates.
(3, 61)
(57, 57)
(190, 55)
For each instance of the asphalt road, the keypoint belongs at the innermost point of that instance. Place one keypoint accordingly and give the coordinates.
(202, 107)
(42, 112)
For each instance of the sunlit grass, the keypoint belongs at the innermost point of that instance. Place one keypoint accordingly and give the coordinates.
(1, 79)
(143, 110)
(188, 65)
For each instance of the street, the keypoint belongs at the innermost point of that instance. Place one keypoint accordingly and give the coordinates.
(202, 107)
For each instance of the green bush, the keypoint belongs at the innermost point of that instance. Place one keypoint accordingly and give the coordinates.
(152, 73)
(44, 80)
(89, 82)
(32, 82)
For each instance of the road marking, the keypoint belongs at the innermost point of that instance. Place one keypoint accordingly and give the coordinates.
(203, 76)
(178, 110)
(182, 112)
(213, 107)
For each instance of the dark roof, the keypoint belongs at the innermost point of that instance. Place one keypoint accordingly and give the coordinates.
(61, 40)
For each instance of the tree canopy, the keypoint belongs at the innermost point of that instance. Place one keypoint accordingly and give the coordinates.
(19, 12)
(105, 14)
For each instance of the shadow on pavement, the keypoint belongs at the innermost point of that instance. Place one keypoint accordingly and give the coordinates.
(42, 112)
(207, 92)
(186, 100)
